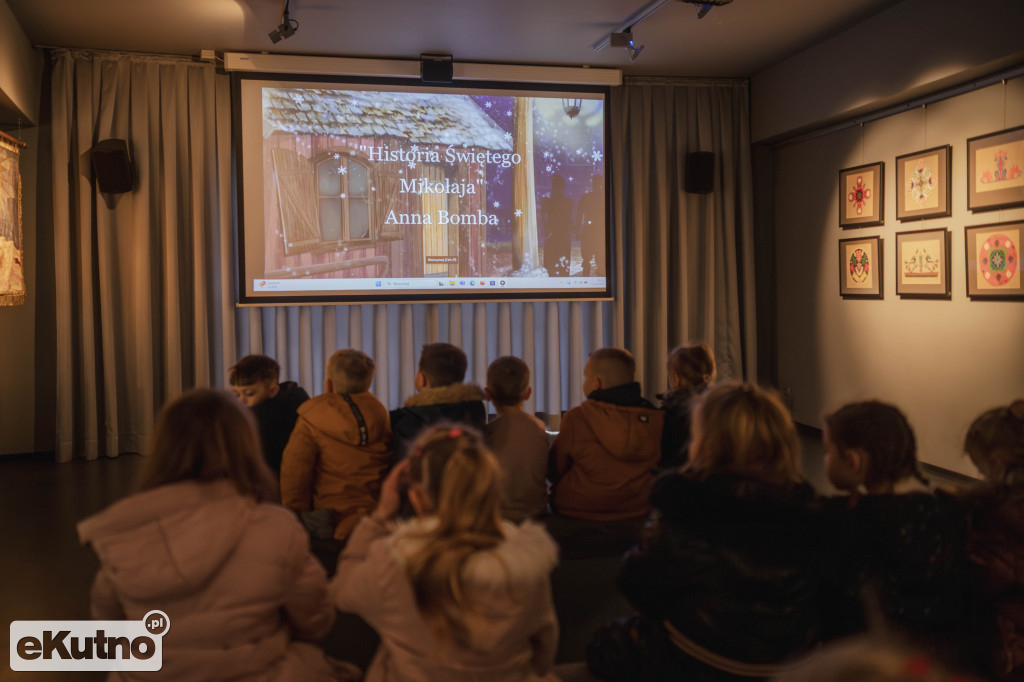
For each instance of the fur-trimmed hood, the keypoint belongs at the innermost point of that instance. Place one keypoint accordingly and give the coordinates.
(527, 554)
(443, 395)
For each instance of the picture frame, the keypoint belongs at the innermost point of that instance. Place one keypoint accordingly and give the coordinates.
(862, 195)
(993, 261)
(860, 268)
(12, 240)
(922, 184)
(995, 170)
(922, 263)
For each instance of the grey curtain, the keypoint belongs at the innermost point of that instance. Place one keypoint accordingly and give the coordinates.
(686, 259)
(146, 287)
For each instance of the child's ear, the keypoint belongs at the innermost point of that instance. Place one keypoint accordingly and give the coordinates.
(418, 501)
(328, 385)
(527, 393)
(420, 381)
(487, 393)
(857, 460)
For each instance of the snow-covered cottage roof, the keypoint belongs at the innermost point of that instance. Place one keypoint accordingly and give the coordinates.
(423, 118)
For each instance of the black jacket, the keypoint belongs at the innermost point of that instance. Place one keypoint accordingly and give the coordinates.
(458, 403)
(277, 417)
(731, 562)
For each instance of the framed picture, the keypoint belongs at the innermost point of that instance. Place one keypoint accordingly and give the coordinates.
(922, 184)
(12, 247)
(861, 190)
(993, 261)
(922, 263)
(860, 268)
(995, 170)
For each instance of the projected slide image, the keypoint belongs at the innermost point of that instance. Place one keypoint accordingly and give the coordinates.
(362, 186)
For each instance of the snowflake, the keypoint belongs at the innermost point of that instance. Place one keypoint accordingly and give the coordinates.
(342, 170)
(579, 152)
(415, 148)
(488, 105)
(372, 188)
(497, 204)
(480, 172)
(548, 168)
(343, 195)
(597, 155)
(412, 164)
(547, 154)
(508, 136)
(508, 113)
(519, 213)
(570, 178)
(336, 155)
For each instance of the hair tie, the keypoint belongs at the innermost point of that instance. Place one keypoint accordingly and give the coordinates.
(455, 432)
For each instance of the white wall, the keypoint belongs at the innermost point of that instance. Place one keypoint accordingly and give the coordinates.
(942, 362)
(913, 48)
(18, 326)
(21, 68)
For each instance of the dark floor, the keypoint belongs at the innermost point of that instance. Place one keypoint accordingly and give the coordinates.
(45, 574)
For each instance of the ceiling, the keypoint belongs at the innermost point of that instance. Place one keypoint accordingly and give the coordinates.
(733, 41)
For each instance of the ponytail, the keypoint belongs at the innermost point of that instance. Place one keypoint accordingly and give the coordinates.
(461, 479)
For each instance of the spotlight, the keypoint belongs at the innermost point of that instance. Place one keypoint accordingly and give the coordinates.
(287, 27)
(633, 52)
(624, 39)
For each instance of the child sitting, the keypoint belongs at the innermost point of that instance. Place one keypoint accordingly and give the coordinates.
(441, 396)
(341, 447)
(899, 544)
(995, 443)
(254, 381)
(456, 593)
(518, 440)
(691, 369)
(726, 578)
(204, 542)
(602, 462)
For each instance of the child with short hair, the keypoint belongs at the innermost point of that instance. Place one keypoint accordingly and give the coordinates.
(691, 369)
(517, 439)
(899, 543)
(455, 593)
(254, 381)
(204, 541)
(995, 443)
(602, 461)
(440, 395)
(726, 578)
(341, 447)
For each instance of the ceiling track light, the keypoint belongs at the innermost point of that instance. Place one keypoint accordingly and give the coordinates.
(287, 27)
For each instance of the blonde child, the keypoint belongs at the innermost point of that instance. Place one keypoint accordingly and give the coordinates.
(691, 369)
(995, 443)
(899, 545)
(726, 578)
(341, 446)
(255, 381)
(517, 439)
(203, 542)
(455, 593)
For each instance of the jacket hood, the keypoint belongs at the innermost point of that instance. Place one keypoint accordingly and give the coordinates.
(168, 541)
(331, 414)
(626, 395)
(624, 432)
(442, 395)
(526, 555)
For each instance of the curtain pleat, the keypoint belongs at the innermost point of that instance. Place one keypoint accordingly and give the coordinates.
(146, 286)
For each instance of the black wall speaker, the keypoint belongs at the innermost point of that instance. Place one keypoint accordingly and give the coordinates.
(112, 166)
(436, 68)
(700, 172)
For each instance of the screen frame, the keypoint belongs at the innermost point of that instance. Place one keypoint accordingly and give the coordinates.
(243, 299)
